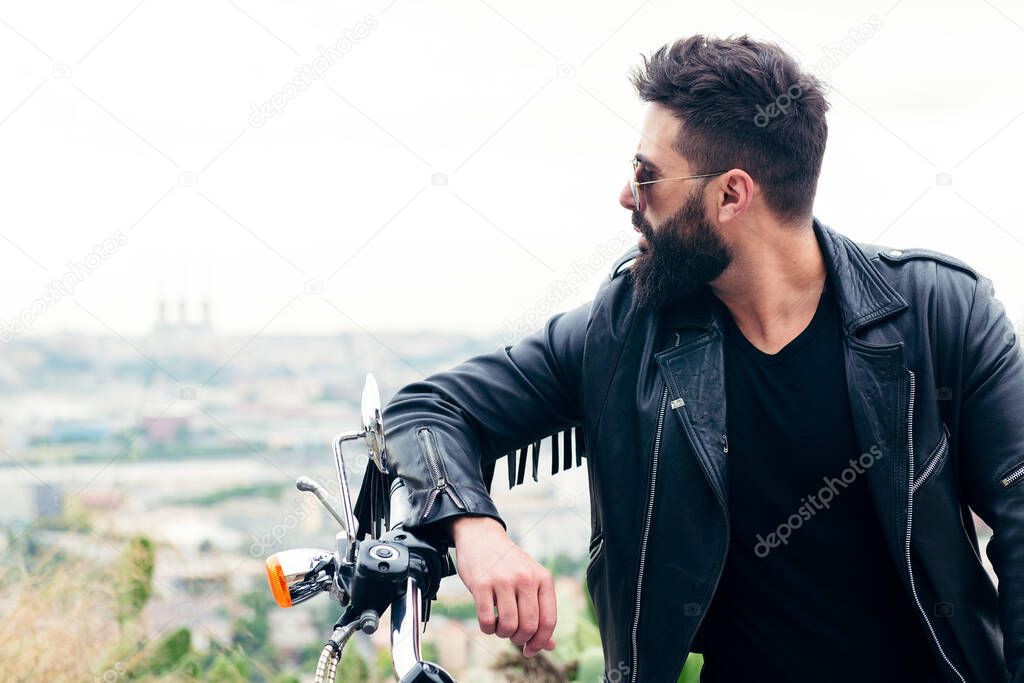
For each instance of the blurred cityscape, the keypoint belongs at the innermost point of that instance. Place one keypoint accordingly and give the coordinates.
(194, 440)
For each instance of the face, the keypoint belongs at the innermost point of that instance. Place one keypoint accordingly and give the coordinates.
(681, 249)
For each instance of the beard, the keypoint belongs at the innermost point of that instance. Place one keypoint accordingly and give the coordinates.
(685, 253)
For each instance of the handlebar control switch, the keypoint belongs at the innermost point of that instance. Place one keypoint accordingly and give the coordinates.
(379, 576)
(383, 552)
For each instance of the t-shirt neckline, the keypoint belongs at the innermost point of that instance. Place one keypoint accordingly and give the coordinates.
(817, 322)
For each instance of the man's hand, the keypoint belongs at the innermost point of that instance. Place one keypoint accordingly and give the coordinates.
(498, 573)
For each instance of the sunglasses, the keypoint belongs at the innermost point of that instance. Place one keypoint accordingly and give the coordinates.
(634, 183)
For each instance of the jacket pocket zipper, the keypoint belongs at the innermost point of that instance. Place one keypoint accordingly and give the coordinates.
(438, 472)
(1013, 477)
(933, 463)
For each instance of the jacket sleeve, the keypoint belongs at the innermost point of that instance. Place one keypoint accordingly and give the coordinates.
(992, 439)
(444, 432)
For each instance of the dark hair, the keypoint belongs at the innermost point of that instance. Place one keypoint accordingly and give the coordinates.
(743, 104)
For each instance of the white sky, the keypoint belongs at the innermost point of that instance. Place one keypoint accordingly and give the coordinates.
(105, 105)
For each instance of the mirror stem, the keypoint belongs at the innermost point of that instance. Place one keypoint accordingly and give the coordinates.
(346, 498)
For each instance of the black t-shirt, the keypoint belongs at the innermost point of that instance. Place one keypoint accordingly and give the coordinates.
(809, 591)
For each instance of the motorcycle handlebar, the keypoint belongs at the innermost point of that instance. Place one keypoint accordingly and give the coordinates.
(405, 610)
(406, 626)
(401, 507)
(406, 617)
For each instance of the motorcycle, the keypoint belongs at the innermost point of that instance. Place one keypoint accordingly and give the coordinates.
(389, 567)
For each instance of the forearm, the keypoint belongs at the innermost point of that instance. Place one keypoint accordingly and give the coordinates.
(444, 430)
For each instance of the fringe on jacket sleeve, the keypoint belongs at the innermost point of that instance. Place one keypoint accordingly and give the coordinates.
(567, 448)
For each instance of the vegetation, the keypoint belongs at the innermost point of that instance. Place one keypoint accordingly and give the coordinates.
(71, 620)
(274, 491)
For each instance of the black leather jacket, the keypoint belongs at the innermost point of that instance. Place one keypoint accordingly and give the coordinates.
(936, 381)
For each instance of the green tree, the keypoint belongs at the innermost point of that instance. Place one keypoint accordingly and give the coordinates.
(134, 578)
(228, 668)
(167, 654)
(252, 631)
(352, 668)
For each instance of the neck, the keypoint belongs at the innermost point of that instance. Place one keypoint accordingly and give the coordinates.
(774, 283)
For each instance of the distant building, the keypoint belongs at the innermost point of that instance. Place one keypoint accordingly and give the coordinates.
(71, 431)
(183, 326)
(48, 499)
(166, 429)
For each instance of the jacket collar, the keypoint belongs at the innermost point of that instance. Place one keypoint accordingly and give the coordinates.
(864, 296)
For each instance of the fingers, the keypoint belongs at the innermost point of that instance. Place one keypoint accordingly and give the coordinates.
(508, 612)
(505, 580)
(547, 617)
(484, 598)
(529, 612)
(526, 610)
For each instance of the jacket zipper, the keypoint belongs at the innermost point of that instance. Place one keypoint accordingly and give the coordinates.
(647, 526)
(933, 464)
(1014, 477)
(910, 517)
(437, 471)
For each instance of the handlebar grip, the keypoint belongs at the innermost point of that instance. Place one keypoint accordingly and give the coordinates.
(401, 507)
(406, 626)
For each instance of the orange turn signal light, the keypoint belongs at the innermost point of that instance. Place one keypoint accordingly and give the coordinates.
(278, 583)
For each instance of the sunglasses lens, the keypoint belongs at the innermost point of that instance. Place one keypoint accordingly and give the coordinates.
(634, 188)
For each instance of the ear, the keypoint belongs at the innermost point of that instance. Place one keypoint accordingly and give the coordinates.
(733, 193)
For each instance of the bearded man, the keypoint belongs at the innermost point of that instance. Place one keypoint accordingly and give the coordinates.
(787, 433)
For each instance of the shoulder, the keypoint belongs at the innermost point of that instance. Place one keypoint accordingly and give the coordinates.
(916, 257)
(622, 263)
(916, 270)
(614, 298)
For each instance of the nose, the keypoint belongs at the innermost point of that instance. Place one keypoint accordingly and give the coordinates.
(626, 199)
